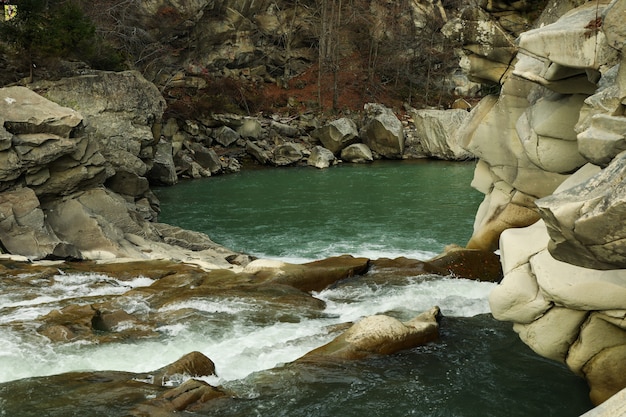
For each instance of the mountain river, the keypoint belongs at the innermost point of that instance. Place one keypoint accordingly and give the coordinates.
(386, 209)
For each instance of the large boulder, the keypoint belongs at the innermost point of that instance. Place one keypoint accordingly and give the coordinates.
(310, 276)
(379, 335)
(321, 157)
(357, 153)
(23, 229)
(436, 135)
(337, 134)
(382, 131)
(573, 41)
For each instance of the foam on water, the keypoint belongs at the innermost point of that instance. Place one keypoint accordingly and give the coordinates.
(236, 344)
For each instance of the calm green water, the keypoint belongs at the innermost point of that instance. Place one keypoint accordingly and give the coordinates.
(386, 209)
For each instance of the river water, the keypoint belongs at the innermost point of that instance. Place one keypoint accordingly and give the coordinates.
(478, 367)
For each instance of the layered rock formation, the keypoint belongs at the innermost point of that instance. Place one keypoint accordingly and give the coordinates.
(552, 169)
(75, 185)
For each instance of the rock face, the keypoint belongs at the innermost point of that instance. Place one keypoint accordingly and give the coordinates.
(74, 185)
(552, 169)
(436, 135)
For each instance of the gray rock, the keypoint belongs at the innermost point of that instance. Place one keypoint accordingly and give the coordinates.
(23, 228)
(225, 136)
(337, 134)
(163, 171)
(120, 108)
(435, 134)
(321, 157)
(258, 153)
(357, 153)
(284, 129)
(128, 183)
(286, 154)
(250, 129)
(382, 131)
(206, 157)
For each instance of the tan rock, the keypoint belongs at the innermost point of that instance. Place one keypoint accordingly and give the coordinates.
(379, 335)
(553, 333)
(518, 298)
(597, 334)
(576, 287)
(502, 208)
(606, 375)
(193, 364)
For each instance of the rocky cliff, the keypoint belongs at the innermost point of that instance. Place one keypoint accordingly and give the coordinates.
(74, 185)
(552, 167)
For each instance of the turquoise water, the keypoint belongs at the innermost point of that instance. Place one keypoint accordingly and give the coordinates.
(385, 209)
(479, 368)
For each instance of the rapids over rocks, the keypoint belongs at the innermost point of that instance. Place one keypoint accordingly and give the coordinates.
(254, 335)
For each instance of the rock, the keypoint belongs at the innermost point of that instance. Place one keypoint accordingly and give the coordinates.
(45, 149)
(225, 136)
(502, 208)
(488, 48)
(612, 25)
(250, 129)
(25, 112)
(605, 376)
(436, 135)
(193, 364)
(576, 287)
(321, 157)
(469, 263)
(192, 393)
(310, 276)
(207, 158)
(553, 333)
(357, 153)
(601, 331)
(128, 183)
(284, 129)
(506, 157)
(612, 407)
(286, 154)
(23, 228)
(261, 155)
(379, 335)
(85, 221)
(163, 171)
(546, 131)
(337, 134)
(591, 237)
(574, 41)
(112, 103)
(382, 131)
(604, 139)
